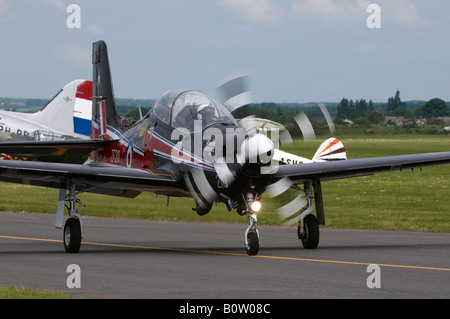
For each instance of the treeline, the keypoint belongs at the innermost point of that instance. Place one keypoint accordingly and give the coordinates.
(358, 111)
(362, 112)
(284, 112)
(22, 104)
(130, 107)
(124, 105)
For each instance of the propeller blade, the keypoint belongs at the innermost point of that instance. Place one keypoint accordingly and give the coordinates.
(279, 187)
(305, 126)
(291, 211)
(235, 91)
(201, 182)
(223, 172)
(327, 116)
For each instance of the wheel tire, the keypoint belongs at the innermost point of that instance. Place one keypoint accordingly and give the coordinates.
(252, 246)
(72, 235)
(310, 239)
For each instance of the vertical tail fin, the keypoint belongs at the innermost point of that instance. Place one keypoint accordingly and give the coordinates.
(68, 111)
(104, 111)
(330, 150)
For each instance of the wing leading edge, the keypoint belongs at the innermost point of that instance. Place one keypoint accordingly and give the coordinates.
(115, 181)
(358, 167)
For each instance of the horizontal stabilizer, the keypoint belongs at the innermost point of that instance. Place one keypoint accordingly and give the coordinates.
(288, 158)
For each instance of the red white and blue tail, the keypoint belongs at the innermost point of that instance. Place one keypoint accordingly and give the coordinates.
(69, 112)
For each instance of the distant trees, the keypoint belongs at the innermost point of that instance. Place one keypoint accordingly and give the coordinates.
(375, 117)
(398, 108)
(350, 110)
(360, 112)
(394, 102)
(402, 110)
(433, 108)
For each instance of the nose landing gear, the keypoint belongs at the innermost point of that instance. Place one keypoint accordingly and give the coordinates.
(252, 236)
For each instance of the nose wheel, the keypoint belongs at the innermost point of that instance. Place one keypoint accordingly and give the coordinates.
(252, 243)
(252, 236)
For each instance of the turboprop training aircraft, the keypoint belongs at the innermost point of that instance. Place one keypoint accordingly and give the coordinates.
(188, 145)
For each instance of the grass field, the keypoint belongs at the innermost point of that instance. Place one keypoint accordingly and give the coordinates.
(7, 292)
(410, 201)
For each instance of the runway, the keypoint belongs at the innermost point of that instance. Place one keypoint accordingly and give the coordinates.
(126, 258)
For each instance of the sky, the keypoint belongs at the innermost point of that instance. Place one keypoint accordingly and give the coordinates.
(292, 50)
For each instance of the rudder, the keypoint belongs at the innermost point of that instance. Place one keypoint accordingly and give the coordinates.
(104, 111)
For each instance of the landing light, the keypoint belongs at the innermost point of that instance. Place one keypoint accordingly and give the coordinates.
(255, 206)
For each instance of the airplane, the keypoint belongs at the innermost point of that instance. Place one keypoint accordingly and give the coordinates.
(66, 116)
(187, 145)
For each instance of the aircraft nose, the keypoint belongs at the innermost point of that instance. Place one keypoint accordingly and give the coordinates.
(257, 149)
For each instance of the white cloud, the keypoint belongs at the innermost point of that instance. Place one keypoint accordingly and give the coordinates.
(3, 6)
(398, 12)
(74, 54)
(57, 3)
(330, 9)
(401, 12)
(96, 30)
(257, 11)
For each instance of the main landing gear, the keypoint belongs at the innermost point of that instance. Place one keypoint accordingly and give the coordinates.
(73, 227)
(309, 233)
(308, 226)
(72, 235)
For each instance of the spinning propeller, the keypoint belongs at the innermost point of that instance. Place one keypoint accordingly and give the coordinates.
(235, 93)
(257, 156)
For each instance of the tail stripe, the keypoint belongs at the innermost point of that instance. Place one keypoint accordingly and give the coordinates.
(102, 117)
(82, 110)
(334, 142)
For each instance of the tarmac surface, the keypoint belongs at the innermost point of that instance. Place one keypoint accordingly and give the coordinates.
(129, 258)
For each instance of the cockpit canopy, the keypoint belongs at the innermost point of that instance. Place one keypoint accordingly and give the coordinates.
(181, 108)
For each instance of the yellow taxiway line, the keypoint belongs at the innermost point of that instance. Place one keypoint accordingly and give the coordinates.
(233, 254)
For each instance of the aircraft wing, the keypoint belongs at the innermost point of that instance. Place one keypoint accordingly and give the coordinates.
(326, 171)
(61, 147)
(116, 181)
